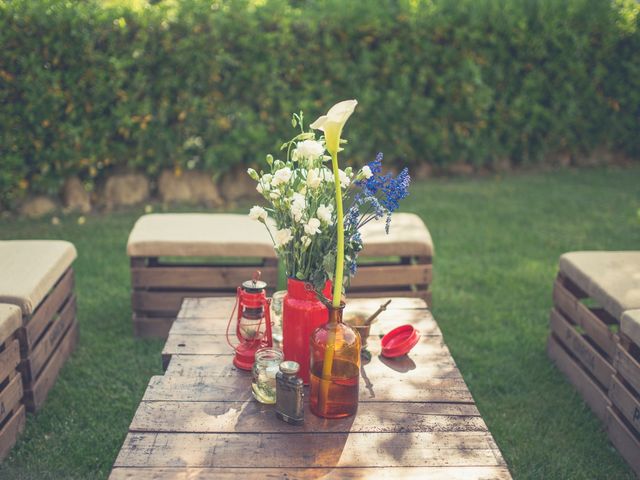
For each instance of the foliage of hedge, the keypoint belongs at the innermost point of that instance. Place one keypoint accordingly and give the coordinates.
(91, 86)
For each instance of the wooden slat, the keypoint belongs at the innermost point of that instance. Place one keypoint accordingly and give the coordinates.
(302, 449)
(389, 389)
(9, 359)
(590, 359)
(152, 327)
(628, 368)
(45, 312)
(251, 417)
(36, 393)
(596, 328)
(220, 307)
(625, 442)
(169, 302)
(590, 391)
(405, 473)
(196, 276)
(391, 275)
(217, 324)
(9, 433)
(180, 344)
(10, 397)
(430, 355)
(627, 403)
(389, 292)
(221, 365)
(33, 364)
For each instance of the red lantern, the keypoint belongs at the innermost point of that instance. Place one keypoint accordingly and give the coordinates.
(253, 323)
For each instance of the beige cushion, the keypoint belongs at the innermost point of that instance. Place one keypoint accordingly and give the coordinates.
(30, 268)
(199, 235)
(630, 325)
(610, 278)
(408, 236)
(10, 320)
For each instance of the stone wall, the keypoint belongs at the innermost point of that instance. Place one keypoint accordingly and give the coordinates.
(129, 189)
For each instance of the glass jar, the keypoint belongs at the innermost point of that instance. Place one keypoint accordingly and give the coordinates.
(335, 368)
(265, 369)
(276, 316)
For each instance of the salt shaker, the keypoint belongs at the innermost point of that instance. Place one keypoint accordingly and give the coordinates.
(289, 394)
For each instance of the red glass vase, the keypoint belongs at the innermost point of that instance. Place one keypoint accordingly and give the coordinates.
(302, 313)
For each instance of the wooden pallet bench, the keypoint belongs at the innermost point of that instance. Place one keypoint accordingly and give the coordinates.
(588, 344)
(416, 418)
(174, 256)
(12, 413)
(37, 276)
(397, 264)
(623, 420)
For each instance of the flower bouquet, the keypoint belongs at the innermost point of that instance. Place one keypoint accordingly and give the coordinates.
(317, 242)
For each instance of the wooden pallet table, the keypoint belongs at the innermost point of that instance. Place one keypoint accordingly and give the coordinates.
(416, 418)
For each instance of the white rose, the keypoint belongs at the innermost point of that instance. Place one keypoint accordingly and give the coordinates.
(258, 213)
(344, 178)
(324, 213)
(312, 227)
(266, 178)
(282, 237)
(306, 241)
(309, 149)
(281, 176)
(313, 178)
(299, 198)
(296, 213)
(297, 206)
(366, 172)
(259, 188)
(274, 195)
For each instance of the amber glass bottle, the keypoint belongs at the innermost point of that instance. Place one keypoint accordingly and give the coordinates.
(334, 388)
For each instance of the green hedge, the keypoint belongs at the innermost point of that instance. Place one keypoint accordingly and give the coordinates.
(89, 87)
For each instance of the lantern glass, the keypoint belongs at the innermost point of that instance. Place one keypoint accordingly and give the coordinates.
(252, 323)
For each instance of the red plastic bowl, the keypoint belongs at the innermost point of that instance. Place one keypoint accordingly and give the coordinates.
(399, 341)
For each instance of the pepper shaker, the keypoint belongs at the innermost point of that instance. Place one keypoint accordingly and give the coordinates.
(289, 394)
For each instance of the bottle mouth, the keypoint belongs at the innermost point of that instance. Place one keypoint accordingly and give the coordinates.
(269, 354)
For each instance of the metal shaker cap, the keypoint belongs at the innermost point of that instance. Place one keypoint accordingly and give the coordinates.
(289, 367)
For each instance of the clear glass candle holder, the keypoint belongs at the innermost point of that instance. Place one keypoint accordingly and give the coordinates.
(276, 315)
(265, 369)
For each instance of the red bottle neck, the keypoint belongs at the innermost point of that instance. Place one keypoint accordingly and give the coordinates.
(301, 290)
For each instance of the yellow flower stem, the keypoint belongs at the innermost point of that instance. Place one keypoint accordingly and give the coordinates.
(327, 364)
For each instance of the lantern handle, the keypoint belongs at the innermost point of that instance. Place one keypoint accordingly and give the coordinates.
(235, 305)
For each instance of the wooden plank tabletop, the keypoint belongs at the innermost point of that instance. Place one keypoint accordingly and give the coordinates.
(416, 417)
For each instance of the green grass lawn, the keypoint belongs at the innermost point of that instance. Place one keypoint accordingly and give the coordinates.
(497, 244)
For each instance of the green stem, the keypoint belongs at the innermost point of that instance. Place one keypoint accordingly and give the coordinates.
(327, 364)
(337, 283)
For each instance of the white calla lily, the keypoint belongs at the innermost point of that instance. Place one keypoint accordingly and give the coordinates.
(333, 122)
